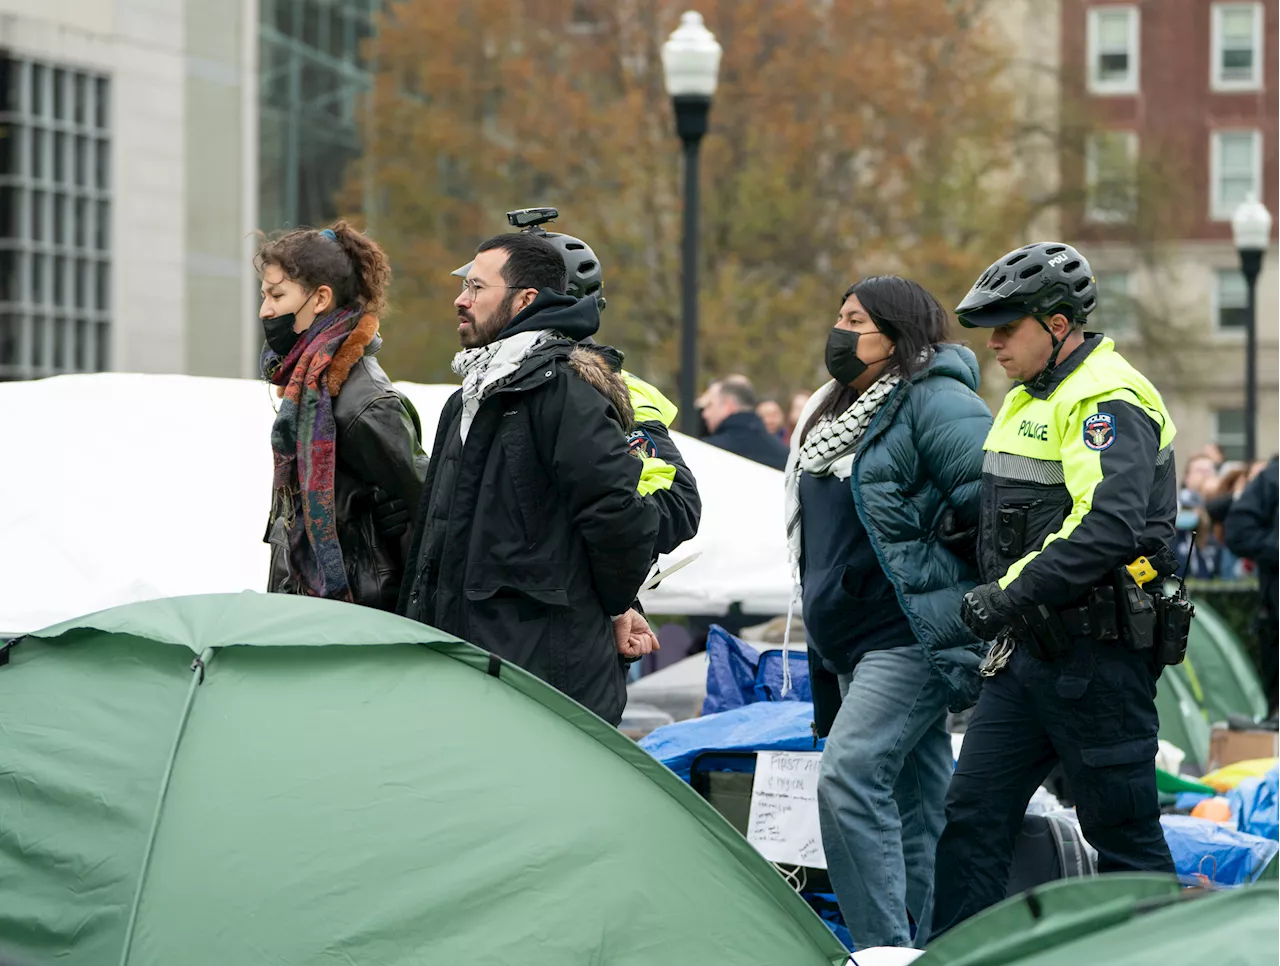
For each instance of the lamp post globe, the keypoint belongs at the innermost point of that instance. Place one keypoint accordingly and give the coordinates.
(691, 58)
(690, 70)
(1251, 231)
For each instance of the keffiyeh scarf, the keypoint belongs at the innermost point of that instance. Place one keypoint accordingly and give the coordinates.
(828, 450)
(304, 445)
(487, 368)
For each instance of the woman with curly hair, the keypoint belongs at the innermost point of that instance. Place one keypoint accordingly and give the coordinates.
(348, 456)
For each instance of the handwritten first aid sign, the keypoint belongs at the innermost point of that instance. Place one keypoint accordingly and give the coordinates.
(783, 825)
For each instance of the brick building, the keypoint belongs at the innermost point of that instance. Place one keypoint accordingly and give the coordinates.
(1168, 117)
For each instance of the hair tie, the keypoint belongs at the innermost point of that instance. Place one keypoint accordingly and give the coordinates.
(328, 233)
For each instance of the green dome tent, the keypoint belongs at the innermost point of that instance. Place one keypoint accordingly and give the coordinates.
(1215, 681)
(1222, 668)
(1120, 920)
(250, 779)
(1182, 719)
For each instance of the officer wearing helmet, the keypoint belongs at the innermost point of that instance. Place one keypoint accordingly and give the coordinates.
(666, 480)
(1077, 517)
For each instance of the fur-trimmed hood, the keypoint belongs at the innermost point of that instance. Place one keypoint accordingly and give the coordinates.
(352, 351)
(594, 367)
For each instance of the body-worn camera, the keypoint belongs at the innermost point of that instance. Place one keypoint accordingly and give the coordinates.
(531, 217)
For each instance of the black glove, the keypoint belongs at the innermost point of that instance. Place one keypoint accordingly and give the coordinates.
(987, 610)
(390, 515)
(962, 543)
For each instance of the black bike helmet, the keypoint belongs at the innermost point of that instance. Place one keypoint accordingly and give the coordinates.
(580, 262)
(585, 277)
(1037, 280)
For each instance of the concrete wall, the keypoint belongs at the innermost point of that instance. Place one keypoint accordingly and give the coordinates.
(184, 168)
(139, 44)
(221, 152)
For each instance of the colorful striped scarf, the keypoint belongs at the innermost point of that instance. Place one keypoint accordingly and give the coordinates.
(304, 445)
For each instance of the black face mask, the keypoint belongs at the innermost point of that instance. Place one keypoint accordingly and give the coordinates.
(842, 356)
(279, 331)
(280, 335)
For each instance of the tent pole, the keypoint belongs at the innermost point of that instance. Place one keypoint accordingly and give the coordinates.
(197, 678)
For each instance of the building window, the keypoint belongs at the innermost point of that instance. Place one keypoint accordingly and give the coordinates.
(1235, 170)
(1111, 159)
(55, 200)
(1229, 432)
(1236, 47)
(1230, 300)
(1113, 50)
(1115, 314)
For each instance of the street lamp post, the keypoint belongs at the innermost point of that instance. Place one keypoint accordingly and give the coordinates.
(1251, 229)
(690, 67)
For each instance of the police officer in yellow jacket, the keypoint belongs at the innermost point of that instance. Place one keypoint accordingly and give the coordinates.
(1077, 517)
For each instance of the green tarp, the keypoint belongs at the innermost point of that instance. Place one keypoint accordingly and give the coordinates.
(1119, 920)
(251, 779)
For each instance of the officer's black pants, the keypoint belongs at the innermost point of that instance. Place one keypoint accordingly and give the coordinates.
(1095, 712)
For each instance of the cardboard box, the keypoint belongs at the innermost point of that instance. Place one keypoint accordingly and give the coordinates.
(1226, 747)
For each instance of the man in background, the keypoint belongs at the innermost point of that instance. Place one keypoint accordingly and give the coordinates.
(729, 410)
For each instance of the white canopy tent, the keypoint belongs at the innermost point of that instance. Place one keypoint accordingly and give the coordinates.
(120, 487)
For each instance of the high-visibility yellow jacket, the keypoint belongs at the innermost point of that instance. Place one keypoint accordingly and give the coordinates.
(1078, 479)
(665, 480)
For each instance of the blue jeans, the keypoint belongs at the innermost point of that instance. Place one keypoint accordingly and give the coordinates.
(881, 795)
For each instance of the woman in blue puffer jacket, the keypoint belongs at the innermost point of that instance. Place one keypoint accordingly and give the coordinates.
(882, 506)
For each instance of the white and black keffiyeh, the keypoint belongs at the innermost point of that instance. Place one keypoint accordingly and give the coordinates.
(488, 368)
(828, 450)
(832, 439)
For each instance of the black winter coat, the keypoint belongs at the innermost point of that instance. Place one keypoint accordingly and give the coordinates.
(378, 445)
(1253, 532)
(531, 535)
(744, 433)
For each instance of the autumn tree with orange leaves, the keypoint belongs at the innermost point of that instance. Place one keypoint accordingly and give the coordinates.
(846, 139)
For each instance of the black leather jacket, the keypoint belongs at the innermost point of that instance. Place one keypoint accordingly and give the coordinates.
(379, 444)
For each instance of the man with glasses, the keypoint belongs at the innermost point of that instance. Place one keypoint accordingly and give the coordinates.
(533, 537)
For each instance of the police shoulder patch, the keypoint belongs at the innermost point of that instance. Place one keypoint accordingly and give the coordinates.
(641, 444)
(1100, 431)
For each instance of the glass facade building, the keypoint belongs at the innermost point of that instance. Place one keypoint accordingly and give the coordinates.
(313, 75)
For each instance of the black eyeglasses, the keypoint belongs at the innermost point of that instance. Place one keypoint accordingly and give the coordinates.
(472, 290)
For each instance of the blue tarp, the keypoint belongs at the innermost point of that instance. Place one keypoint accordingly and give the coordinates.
(1255, 805)
(764, 726)
(737, 675)
(1227, 857)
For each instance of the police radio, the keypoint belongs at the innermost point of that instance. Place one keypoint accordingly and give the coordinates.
(1173, 618)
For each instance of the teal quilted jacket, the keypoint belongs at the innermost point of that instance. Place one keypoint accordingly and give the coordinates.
(921, 454)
